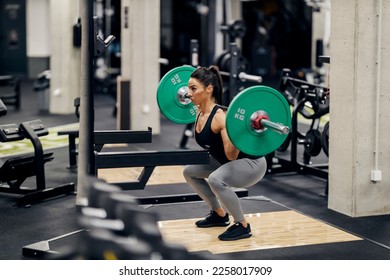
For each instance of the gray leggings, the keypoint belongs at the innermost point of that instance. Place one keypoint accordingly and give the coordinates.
(216, 190)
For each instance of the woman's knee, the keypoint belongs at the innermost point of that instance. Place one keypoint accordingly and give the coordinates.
(215, 182)
(187, 171)
(191, 171)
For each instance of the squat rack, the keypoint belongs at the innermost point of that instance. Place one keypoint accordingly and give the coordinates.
(91, 160)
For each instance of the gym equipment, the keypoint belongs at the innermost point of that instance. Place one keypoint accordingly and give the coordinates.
(238, 70)
(224, 62)
(236, 29)
(257, 119)
(103, 137)
(148, 160)
(311, 102)
(171, 95)
(188, 131)
(233, 67)
(72, 148)
(313, 142)
(127, 220)
(102, 244)
(114, 226)
(97, 190)
(143, 225)
(112, 201)
(96, 159)
(325, 139)
(14, 171)
(248, 120)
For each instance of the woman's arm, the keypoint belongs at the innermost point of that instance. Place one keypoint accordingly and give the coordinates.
(230, 150)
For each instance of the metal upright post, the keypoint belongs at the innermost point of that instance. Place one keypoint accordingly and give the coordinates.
(86, 124)
(188, 130)
(233, 88)
(91, 46)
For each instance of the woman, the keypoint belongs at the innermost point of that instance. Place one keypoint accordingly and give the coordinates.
(228, 167)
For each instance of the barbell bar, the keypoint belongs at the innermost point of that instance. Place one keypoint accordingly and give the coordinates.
(258, 118)
(243, 76)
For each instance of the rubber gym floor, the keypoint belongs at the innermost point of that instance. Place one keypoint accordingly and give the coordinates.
(288, 213)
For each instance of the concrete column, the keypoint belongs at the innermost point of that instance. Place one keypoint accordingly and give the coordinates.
(359, 160)
(140, 52)
(38, 37)
(65, 59)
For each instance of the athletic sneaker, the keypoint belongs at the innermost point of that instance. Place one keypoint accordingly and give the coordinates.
(235, 232)
(213, 220)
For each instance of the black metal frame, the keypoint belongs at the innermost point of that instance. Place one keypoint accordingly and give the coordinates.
(102, 137)
(148, 160)
(188, 130)
(298, 102)
(293, 165)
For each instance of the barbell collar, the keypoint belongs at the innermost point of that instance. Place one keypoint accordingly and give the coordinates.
(182, 95)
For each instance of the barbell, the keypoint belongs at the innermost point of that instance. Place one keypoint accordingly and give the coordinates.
(258, 118)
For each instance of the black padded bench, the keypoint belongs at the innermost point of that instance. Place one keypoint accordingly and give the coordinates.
(14, 171)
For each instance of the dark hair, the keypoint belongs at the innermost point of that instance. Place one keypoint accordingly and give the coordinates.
(210, 76)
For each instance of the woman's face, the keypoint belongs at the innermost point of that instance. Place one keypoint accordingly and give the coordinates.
(197, 91)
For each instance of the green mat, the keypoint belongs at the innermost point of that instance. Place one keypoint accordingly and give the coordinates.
(50, 141)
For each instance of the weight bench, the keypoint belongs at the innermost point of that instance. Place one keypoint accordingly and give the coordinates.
(14, 171)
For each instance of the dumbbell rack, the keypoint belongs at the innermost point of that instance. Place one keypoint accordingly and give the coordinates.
(112, 221)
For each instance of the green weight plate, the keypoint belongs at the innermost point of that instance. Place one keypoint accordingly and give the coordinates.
(172, 83)
(243, 105)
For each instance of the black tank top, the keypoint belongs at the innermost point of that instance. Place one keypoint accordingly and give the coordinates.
(207, 139)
